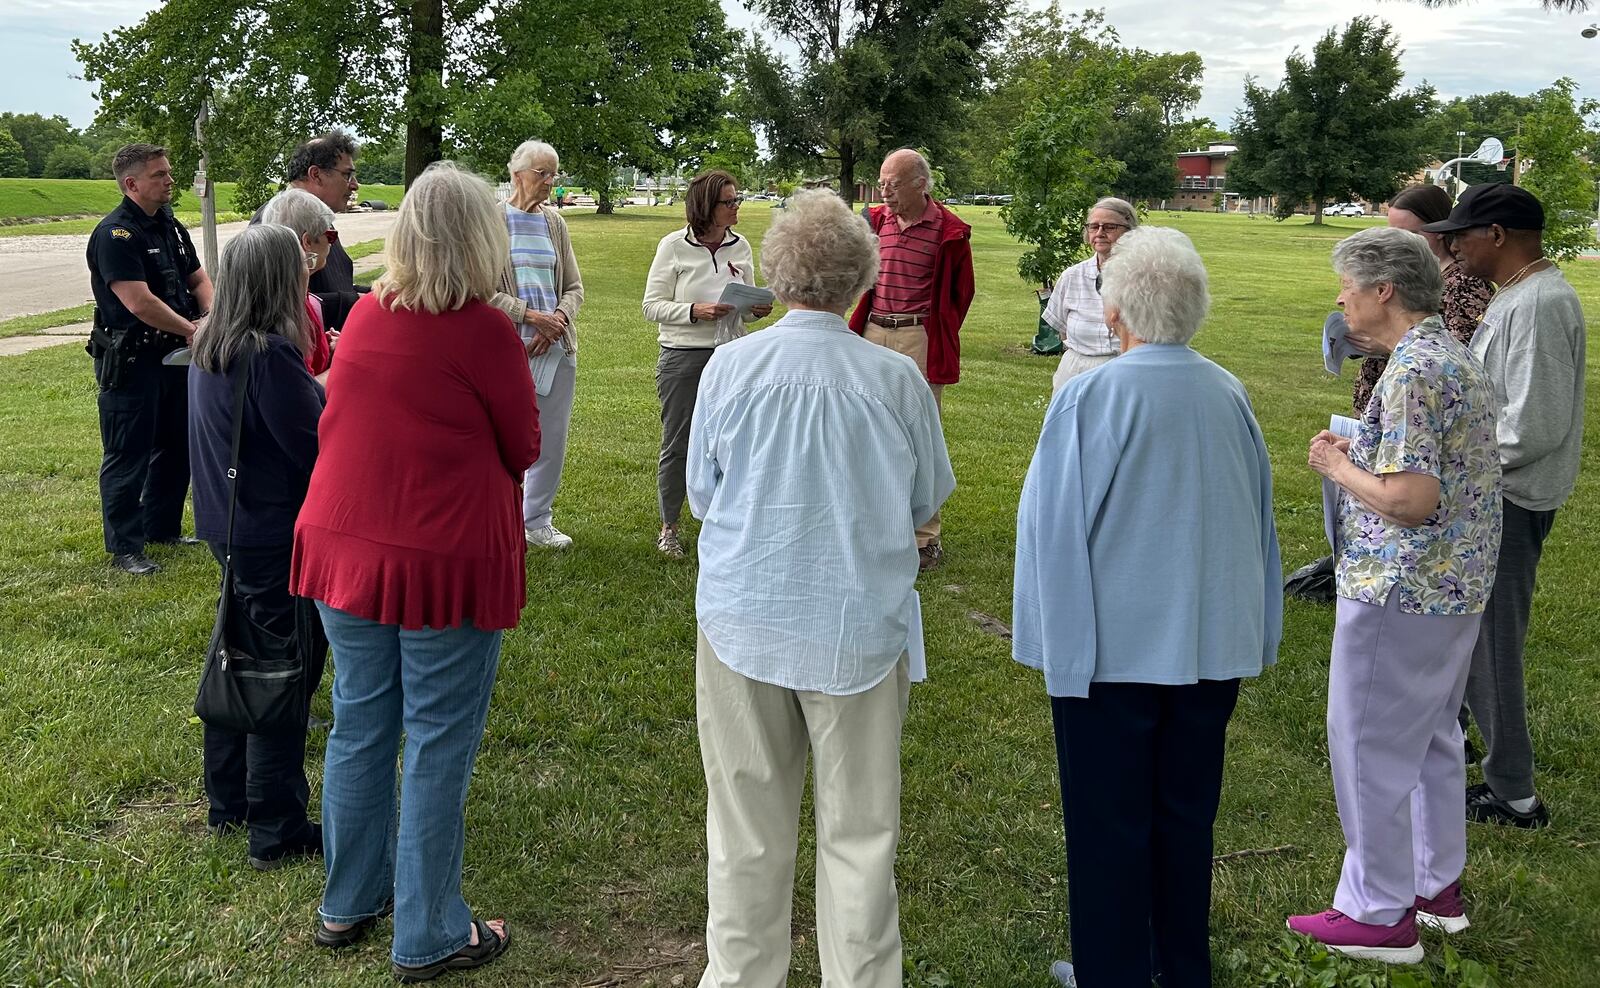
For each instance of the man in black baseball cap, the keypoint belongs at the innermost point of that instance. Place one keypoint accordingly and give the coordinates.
(1531, 341)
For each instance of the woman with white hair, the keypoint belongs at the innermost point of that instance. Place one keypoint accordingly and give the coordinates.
(256, 339)
(1418, 539)
(542, 285)
(311, 220)
(813, 456)
(411, 543)
(1150, 478)
(1076, 309)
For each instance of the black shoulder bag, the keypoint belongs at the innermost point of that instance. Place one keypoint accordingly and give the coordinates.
(254, 680)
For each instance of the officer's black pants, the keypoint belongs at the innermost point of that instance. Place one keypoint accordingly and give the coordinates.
(260, 779)
(144, 474)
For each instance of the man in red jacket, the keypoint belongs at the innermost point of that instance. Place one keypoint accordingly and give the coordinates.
(923, 290)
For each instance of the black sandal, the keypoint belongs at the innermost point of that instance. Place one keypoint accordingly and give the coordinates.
(490, 945)
(337, 939)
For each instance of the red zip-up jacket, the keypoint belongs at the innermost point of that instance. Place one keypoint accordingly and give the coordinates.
(952, 295)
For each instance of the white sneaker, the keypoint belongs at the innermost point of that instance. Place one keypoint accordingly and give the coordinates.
(548, 537)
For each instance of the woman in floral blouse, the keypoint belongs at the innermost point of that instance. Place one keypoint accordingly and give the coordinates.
(1465, 297)
(1419, 533)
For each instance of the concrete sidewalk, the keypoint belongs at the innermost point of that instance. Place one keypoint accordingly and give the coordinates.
(78, 333)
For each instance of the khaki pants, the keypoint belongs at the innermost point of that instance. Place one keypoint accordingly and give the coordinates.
(913, 342)
(753, 742)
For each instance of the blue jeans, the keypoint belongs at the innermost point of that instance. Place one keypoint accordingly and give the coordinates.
(435, 686)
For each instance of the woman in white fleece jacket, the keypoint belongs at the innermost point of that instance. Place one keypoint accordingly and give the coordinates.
(691, 268)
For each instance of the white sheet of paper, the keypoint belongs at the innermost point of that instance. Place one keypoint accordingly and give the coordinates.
(914, 649)
(744, 297)
(1345, 427)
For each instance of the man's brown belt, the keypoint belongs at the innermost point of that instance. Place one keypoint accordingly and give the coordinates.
(895, 322)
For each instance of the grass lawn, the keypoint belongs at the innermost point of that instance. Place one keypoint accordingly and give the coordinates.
(34, 198)
(586, 818)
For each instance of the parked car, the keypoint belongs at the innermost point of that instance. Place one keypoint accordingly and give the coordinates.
(1345, 209)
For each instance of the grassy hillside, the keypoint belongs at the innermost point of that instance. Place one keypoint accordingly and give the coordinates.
(29, 199)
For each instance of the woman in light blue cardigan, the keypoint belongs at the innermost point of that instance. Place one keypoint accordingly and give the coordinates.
(1147, 586)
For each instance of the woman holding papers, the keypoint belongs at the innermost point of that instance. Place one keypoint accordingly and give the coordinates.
(814, 455)
(1419, 533)
(411, 543)
(543, 290)
(693, 267)
(1149, 502)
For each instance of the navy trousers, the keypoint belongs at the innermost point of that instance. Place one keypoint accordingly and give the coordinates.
(260, 779)
(1141, 775)
(144, 471)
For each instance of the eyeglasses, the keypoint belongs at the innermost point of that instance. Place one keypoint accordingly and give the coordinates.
(544, 176)
(348, 174)
(731, 203)
(1107, 227)
(311, 261)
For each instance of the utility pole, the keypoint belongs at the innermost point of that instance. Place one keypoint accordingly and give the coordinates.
(207, 193)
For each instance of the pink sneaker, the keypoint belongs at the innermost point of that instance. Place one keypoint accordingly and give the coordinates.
(1444, 912)
(1396, 944)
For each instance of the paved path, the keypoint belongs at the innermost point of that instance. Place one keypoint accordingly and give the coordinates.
(46, 273)
(79, 332)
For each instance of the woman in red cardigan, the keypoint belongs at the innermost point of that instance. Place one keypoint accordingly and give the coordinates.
(411, 543)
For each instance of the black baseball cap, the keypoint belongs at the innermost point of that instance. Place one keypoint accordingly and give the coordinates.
(1511, 206)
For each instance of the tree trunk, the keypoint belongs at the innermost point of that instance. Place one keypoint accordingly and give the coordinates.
(424, 87)
(847, 171)
(602, 200)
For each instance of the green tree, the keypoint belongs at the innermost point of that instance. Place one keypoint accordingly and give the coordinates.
(872, 75)
(1338, 125)
(1552, 151)
(1053, 168)
(1039, 48)
(469, 76)
(68, 161)
(1195, 134)
(13, 162)
(38, 136)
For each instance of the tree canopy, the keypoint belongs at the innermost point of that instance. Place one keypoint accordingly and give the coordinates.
(1338, 126)
(605, 84)
(872, 76)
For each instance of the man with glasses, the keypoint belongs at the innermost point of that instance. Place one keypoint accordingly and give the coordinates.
(1531, 341)
(923, 290)
(325, 167)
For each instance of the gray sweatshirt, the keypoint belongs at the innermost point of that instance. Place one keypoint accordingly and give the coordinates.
(1531, 342)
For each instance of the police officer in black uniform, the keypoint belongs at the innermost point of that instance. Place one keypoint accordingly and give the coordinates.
(149, 289)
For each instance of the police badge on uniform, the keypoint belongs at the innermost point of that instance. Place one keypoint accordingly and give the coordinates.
(120, 233)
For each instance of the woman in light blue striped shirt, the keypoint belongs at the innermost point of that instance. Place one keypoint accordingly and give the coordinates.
(543, 277)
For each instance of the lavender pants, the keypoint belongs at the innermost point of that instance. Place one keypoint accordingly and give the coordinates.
(1394, 688)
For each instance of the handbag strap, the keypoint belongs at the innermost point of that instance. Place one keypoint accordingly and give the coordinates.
(241, 384)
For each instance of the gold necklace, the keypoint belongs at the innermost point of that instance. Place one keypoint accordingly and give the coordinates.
(1518, 276)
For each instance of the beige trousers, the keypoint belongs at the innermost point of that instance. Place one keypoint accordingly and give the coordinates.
(753, 742)
(913, 342)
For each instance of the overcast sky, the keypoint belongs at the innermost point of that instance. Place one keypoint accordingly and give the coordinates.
(1476, 47)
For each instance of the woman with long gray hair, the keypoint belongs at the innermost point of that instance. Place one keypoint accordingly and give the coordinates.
(259, 330)
(1075, 309)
